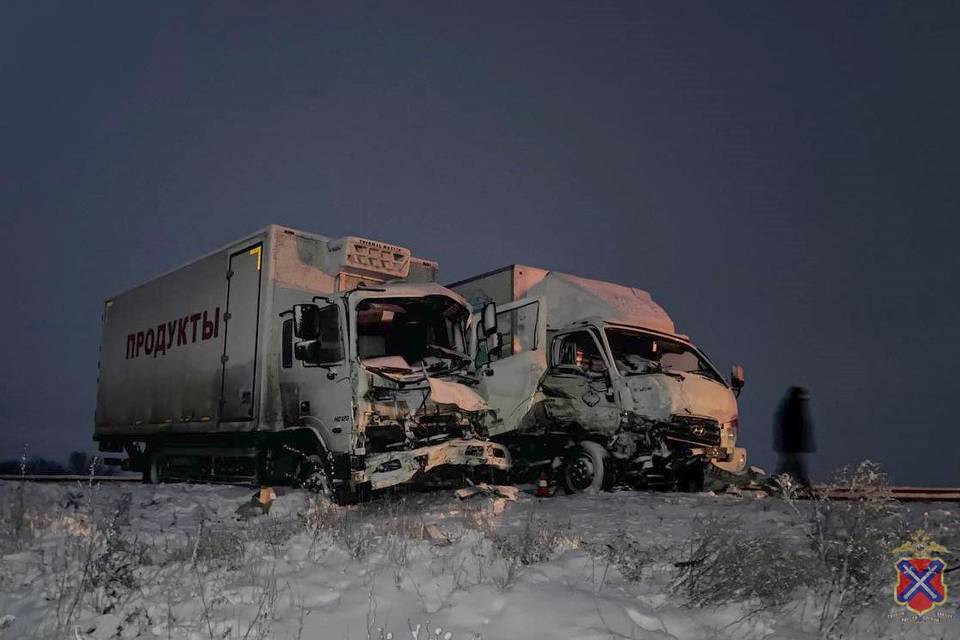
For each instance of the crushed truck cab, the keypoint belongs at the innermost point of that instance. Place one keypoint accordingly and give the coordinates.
(596, 374)
(416, 411)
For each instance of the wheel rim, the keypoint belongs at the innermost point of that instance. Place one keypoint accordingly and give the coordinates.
(580, 472)
(316, 476)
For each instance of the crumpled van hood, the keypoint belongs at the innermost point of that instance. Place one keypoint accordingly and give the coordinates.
(658, 396)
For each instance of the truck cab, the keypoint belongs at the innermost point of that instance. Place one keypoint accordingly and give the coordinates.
(385, 378)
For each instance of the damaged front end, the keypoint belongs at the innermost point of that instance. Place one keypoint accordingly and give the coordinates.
(655, 452)
(453, 458)
(661, 426)
(417, 417)
(414, 428)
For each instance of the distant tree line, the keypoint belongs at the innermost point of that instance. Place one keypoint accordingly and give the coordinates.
(78, 463)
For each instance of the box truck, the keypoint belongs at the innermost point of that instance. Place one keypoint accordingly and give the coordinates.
(290, 356)
(593, 377)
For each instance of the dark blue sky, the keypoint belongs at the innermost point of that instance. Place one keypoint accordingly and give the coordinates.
(783, 177)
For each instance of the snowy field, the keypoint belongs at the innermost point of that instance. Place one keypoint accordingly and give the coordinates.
(134, 561)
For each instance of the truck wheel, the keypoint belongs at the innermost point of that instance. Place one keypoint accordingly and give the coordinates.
(311, 474)
(318, 480)
(588, 469)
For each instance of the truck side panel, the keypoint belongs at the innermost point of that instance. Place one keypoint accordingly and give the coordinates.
(161, 365)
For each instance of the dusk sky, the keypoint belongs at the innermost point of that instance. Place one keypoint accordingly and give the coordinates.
(782, 177)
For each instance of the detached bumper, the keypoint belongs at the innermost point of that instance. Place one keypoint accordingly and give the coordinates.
(731, 460)
(735, 461)
(397, 467)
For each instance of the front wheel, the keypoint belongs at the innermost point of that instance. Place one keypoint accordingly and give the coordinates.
(311, 473)
(588, 469)
(316, 477)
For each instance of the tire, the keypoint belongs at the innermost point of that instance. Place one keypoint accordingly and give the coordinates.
(587, 469)
(311, 473)
(317, 480)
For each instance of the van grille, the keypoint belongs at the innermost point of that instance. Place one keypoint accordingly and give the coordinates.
(700, 431)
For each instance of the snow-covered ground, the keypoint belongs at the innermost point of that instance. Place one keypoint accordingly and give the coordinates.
(127, 560)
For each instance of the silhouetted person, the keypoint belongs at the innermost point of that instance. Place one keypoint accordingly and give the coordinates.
(793, 434)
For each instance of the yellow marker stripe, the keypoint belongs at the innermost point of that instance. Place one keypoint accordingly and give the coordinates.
(256, 251)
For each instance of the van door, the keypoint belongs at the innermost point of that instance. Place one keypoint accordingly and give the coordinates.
(578, 389)
(240, 322)
(516, 360)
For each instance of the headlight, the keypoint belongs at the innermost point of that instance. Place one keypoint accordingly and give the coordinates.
(734, 426)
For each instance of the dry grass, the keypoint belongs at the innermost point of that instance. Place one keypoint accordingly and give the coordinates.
(843, 556)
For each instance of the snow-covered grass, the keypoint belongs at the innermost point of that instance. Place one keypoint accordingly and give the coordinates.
(127, 561)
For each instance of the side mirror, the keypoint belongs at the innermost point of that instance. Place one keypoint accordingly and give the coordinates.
(488, 319)
(736, 378)
(306, 322)
(311, 352)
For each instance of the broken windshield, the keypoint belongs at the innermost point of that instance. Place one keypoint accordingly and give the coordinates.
(415, 332)
(636, 352)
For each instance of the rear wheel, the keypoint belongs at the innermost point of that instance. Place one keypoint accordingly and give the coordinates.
(588, 469)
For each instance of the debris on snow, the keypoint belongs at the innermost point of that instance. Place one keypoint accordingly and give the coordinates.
(504, 491)
(259, 504)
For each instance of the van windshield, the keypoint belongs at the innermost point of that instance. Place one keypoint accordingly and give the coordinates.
(636, 353)
(425, 332)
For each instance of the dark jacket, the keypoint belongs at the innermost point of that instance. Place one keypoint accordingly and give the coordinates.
(793, 431)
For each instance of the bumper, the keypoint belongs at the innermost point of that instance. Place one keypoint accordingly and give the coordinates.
(729, 459)
(735, 460)
(396, 467)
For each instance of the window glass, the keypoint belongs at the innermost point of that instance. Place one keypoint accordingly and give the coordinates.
(525, 324)
(504, 348)
(423, 331)
(579, 349)
(638, 353)
(327, 347)
(330, 327)
(681, 361)
(517, 332)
